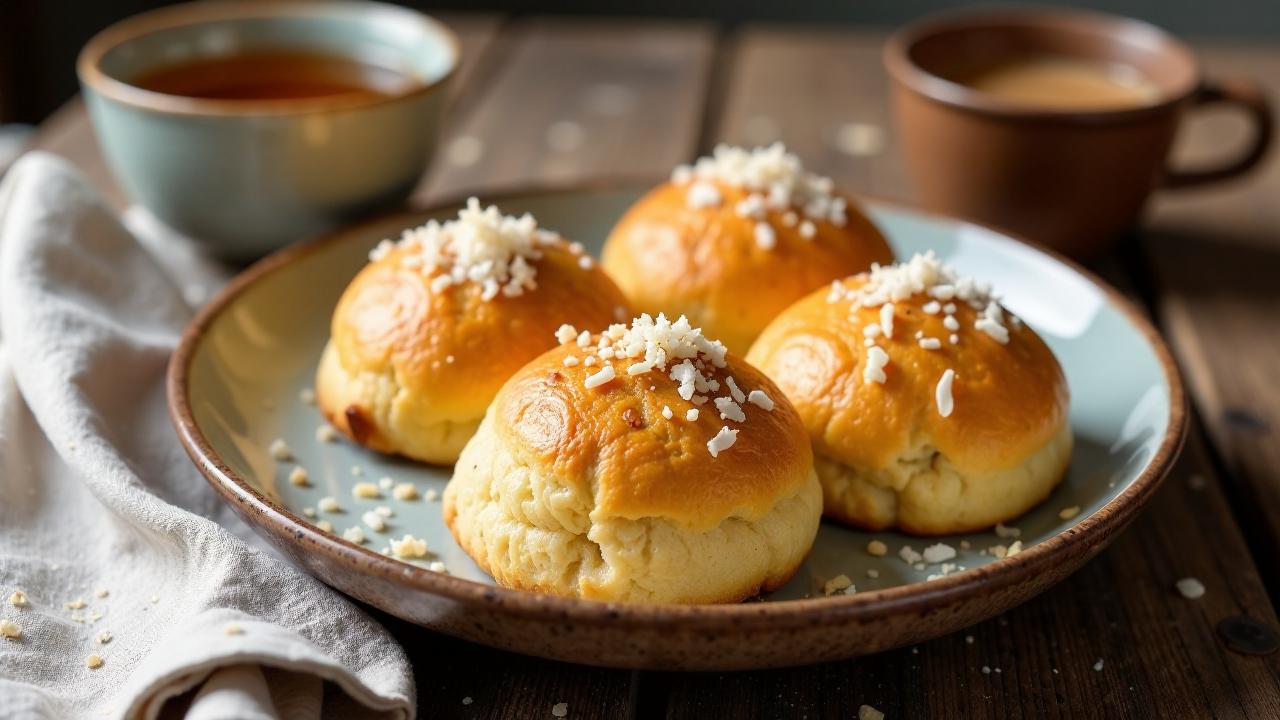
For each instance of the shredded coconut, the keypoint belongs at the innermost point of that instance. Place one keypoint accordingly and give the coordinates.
(886, 319)
(566, 334)
(877, 359)
(1190, 588)
(1004, 531)
(495, 251)
(734, 390)
(943, 393)
(722, 441)
(940, 552)
(926, 274)
(366, 490)
(730, 410)
(866, 712)
(772, 175)
(766, 238)
(838, 584)
(760, 399)
(374, 520)
(409, 547)
(604, 375)
(703, 195)
(279, 450)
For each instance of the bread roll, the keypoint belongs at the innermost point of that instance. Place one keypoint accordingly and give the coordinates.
(641, 465)
(425, 334)
(931, 409)
(736, 239)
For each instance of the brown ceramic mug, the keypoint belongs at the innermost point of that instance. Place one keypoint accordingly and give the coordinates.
(1073, 179)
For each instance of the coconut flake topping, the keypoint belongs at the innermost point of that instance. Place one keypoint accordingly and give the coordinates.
(496, 251)
(922, 275)
(677, 350)
(774, 180)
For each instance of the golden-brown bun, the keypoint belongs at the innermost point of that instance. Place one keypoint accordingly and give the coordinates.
(411, 371)
(885, 454)
(705, 263)
(594, 493)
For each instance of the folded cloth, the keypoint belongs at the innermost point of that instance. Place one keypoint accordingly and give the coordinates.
(137, 594)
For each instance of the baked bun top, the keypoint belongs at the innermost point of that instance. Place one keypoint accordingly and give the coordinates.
(452, 310)
(981, 387)
(593, 413)
(736, 239)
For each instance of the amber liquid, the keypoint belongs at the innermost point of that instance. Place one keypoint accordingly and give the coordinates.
(1060, 83)
(280, 75)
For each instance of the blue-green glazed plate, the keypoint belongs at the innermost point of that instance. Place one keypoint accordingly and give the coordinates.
(237, 383)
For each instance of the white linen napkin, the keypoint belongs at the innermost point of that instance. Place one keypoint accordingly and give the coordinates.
(100, 505)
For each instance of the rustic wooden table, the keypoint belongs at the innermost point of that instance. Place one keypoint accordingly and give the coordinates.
(564, 100)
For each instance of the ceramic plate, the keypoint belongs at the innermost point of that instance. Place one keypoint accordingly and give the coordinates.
(235, 385)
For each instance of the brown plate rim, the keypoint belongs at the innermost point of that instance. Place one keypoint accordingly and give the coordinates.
(1091, 532)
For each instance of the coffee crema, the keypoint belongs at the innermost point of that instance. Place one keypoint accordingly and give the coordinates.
(277, 75)
(1055, 82)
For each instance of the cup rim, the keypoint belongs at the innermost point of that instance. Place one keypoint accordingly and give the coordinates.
(902, 68)
(92, 76)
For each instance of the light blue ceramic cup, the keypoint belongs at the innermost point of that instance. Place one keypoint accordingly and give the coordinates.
(245, 177)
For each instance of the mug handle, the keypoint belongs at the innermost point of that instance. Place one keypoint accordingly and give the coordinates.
(1244, 94)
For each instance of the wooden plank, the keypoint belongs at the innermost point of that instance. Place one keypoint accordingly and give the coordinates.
(1161, 656)
(1215, 256)
(68, 132)
(824, 93)
(578, 99)
(501, 684)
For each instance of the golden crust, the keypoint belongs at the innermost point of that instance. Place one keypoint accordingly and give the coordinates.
(1010, 401)
(615, 440)
(411, 371)
(705, 263)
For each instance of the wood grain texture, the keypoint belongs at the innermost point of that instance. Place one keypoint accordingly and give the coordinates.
(1161, 656)
(580, 98)
(1214, 256)
(821, 91)
(502, 684)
